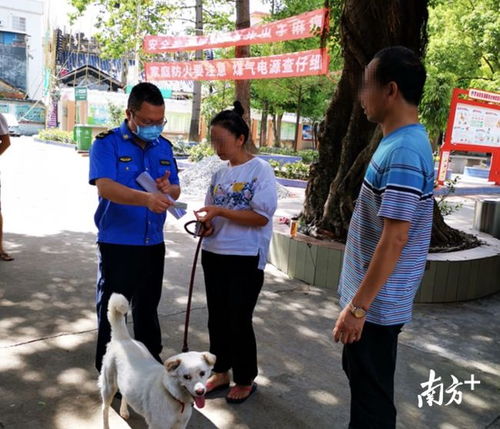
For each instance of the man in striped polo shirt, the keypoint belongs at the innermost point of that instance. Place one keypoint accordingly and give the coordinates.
(388, 237)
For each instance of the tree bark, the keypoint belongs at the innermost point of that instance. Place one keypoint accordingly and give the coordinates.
(444, 238)
(263, 125)
(243, 86)
(194, 129)
(277, 118)
(315, 131)
(346, 138)
(297, 120)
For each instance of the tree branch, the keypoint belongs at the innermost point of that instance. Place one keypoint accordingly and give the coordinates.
(489, 64)
(212, 14)
(184, 19)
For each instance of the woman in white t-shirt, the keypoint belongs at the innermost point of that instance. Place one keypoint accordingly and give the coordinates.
(238, 212)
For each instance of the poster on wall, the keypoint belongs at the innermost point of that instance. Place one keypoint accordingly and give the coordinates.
(307, 132)
(473, 126)
(476, 125)
(13, 67)
(29, 113)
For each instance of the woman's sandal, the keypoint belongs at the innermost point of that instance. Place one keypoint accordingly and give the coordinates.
(211, 387)
(250, 389)
(6, 257)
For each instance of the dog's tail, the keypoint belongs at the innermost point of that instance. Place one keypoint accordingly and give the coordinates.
(117, 309)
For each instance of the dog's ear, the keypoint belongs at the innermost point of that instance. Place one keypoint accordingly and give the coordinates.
(172, 364)
(209, 358)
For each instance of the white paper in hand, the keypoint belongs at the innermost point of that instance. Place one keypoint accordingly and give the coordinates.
(148, 183)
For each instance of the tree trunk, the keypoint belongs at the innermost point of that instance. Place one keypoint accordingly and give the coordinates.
(297, 120)
(124, 74)
(446, 239)
(194, 129)
(346, 139)
(243, 86)
(263, 125)
(277, 117)
(315, 135)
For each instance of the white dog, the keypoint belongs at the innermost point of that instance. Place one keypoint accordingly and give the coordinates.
(162, 394)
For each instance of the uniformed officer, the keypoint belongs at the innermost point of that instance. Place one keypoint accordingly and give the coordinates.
(129, 220)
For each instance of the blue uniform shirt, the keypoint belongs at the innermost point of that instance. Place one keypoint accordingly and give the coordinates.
(116, 156)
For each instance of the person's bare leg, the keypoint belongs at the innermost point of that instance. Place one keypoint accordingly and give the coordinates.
(217, 379)
(240, 391)
(1, 233)
(3, 255)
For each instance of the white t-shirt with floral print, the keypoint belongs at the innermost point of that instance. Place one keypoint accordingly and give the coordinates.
(249, 186)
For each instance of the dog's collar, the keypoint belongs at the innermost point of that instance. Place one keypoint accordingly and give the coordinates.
(182, 404)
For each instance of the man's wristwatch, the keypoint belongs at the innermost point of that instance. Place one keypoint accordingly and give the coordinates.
(357, 312)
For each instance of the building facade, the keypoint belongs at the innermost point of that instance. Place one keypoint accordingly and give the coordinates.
(21, 45)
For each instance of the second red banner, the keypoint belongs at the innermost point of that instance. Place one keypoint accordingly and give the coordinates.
(305, 63)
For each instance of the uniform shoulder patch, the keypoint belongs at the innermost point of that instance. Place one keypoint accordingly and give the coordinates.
(104, 134)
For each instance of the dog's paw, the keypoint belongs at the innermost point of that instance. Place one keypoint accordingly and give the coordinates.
(124, 410)
(124, 414)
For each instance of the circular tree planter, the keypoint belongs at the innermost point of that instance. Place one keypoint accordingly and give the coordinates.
(448, 277)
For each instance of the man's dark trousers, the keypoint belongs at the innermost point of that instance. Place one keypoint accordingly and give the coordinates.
(137, 273)
(370, 364)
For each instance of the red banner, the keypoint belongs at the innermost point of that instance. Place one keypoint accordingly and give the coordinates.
(296, 27)
(305, 63)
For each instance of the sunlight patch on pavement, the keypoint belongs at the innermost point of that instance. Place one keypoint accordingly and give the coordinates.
(71, 342)
(485, 367)
(11, 361)
(33, 376)
(476, 402)
(309, 332)
(323, 397)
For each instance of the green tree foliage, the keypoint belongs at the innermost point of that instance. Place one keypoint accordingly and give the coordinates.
(219, 95)
(123, 24)
(464, 37)
(308, 96)
(217, 16)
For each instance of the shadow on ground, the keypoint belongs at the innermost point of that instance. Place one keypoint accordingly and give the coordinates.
(47, 336)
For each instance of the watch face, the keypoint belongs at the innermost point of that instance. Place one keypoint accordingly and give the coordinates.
(359, 312)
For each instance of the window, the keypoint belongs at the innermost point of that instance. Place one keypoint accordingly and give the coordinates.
(287, 131)
(19, 23)
(178, 122)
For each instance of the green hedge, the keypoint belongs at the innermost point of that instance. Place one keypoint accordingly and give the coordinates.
(200, 151)
(295, 170)
(57, 135)
(308, 155)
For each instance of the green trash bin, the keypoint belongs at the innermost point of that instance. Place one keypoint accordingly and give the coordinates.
(82, 135)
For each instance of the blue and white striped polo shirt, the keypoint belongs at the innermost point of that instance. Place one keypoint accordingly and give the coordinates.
(398, 184)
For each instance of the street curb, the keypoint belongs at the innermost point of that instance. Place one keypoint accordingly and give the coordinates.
(54, 143)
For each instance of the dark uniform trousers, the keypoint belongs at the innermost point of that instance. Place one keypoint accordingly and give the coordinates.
(370, 364)
(137, 273)
(233, 284)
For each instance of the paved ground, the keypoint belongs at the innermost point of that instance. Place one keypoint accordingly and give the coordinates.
(47, 324)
